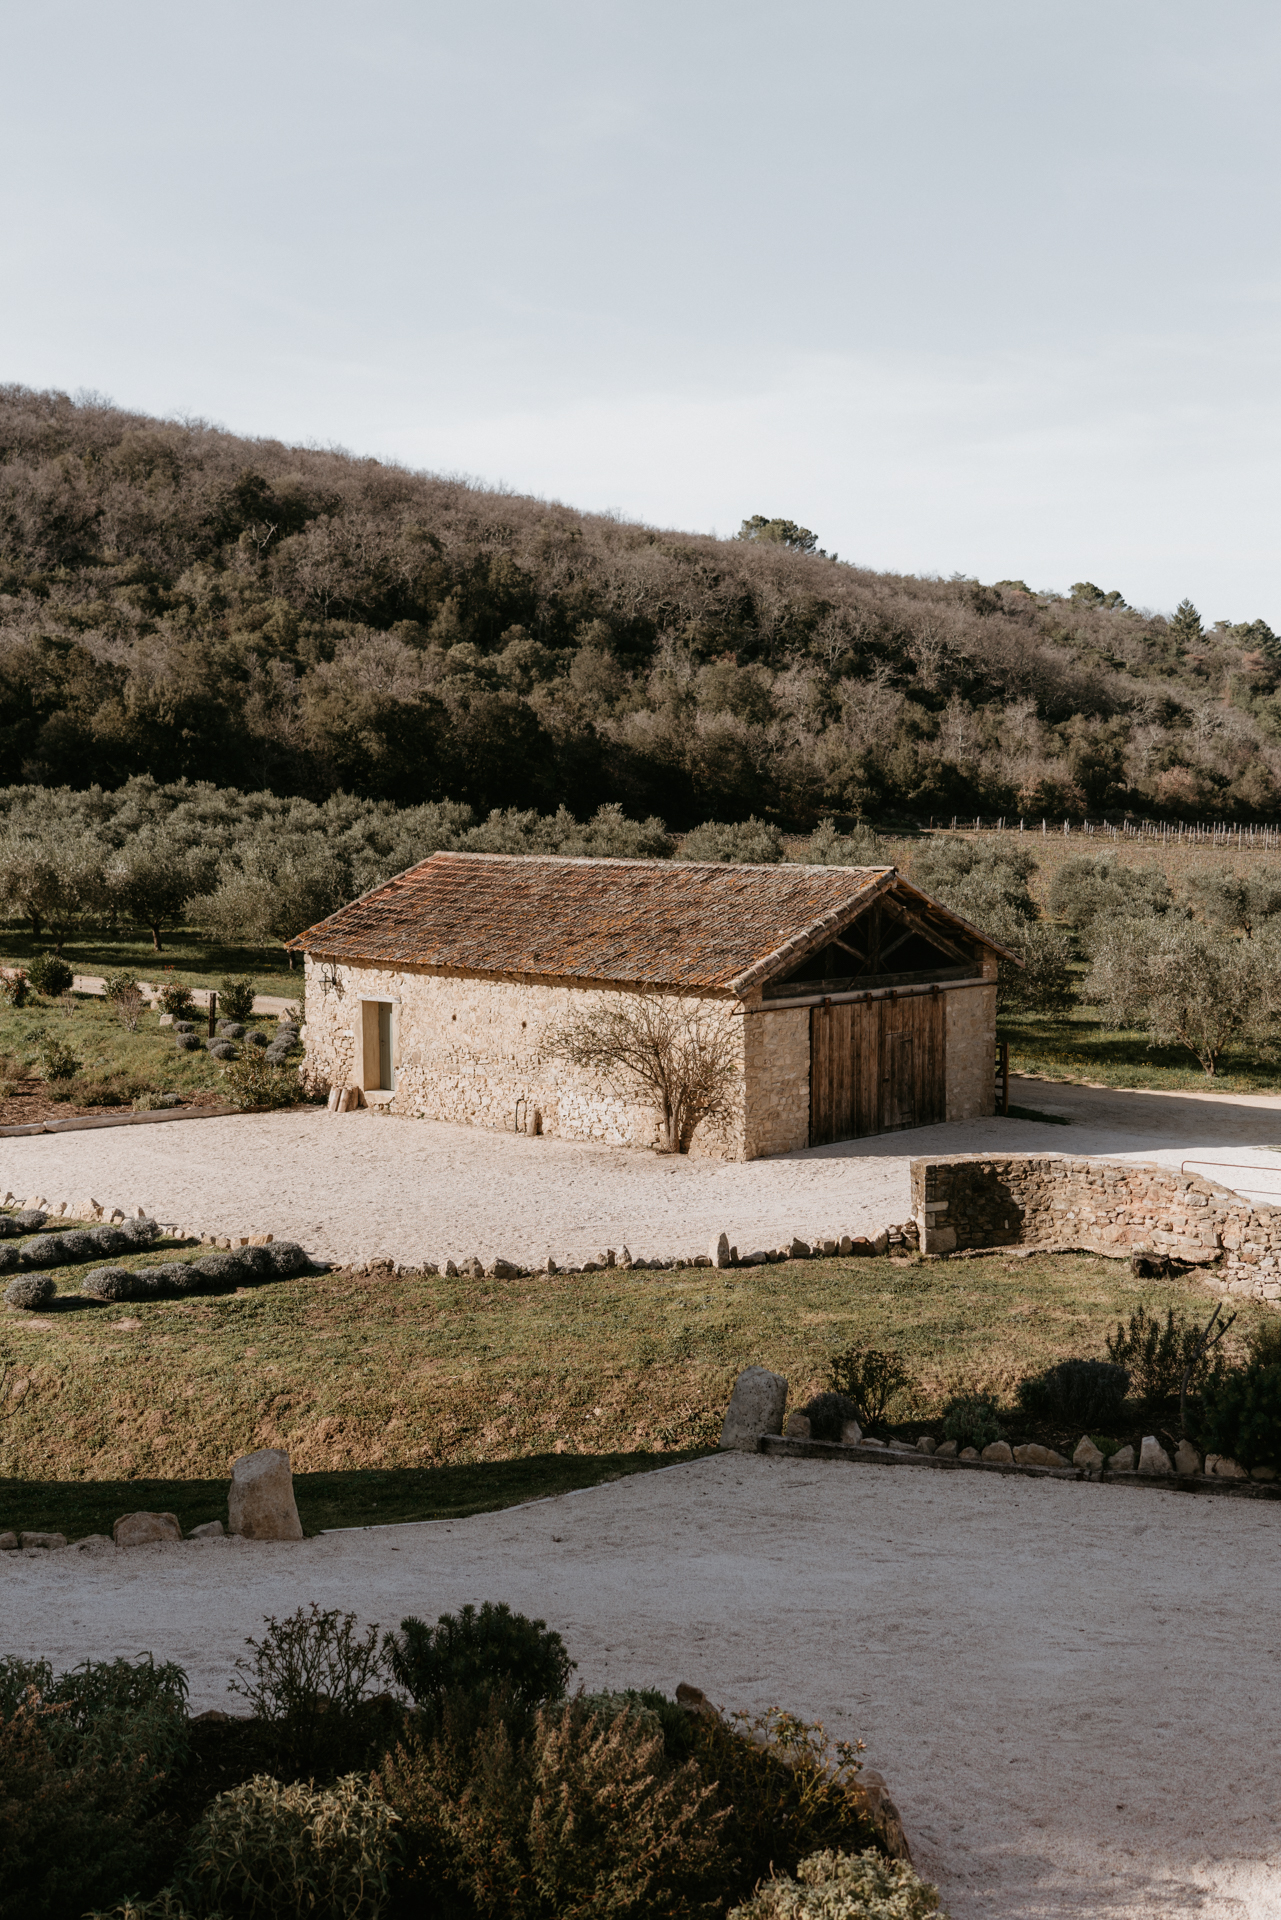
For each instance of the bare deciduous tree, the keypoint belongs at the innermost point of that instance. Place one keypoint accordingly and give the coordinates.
(654, 1044)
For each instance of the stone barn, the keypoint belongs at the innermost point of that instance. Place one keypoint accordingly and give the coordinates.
(855, 1003)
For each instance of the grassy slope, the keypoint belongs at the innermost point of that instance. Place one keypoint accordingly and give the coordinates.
(375, 1385)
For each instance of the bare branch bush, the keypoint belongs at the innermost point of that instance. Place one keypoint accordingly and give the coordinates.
(682, 1057)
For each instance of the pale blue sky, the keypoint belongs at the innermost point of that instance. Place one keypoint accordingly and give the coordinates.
(987, 286)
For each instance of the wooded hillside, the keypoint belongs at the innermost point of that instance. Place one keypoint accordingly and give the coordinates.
(180, 602)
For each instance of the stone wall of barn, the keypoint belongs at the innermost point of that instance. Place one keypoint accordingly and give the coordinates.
(469, 1050)
(970, 1043)
(777, 1105)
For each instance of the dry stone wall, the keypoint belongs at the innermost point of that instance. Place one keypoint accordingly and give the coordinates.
(967, 1201)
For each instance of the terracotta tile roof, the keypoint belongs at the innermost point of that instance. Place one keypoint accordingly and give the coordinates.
(648, 922)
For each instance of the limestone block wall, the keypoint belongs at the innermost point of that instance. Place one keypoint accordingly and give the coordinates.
(468, 1050)
(970, 1052)
(777, 1060)
(1108, 1206)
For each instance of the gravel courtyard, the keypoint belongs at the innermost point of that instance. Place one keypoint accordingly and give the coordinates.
(359, 1186)
(1072, 1689)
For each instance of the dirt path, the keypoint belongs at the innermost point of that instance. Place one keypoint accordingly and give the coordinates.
(1072, 1689)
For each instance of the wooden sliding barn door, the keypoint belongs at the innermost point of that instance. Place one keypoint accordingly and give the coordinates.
(876, 1066)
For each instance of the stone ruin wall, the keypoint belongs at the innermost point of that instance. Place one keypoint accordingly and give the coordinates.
(1053, 1200)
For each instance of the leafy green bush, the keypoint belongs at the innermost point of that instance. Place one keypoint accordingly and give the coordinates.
(253, 1083)
(1241, 1414)
(972, 1421)
(584, 1817)
(1156, 1355)
(57, 1060)
(1080, 1393)
(750, 840)
(308, 1679)
(870, 1376)
(120, 985)
(50, 975)
(788, 1789)
(827, 1414)
(471, 1653)
(176, 999)
(266, 1851)
(82, 1762)
(842, 1886)
(15, 987)
(236, 998)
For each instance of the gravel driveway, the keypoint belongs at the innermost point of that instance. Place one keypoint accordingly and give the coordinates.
(362, 1186)
(1072, 1689)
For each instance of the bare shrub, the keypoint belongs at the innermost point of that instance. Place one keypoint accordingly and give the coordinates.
(681, 1056)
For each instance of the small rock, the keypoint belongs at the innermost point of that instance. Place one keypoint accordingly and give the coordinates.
(799, 1250)
(1186, 1458)
(868, 1441)
(141, 1529)
(451, 1271)
(755, 1407)
(851, 1433)
(1225, 1469)
(946, 1450)
(94, 1544)
(998, 1450)
(1087, 1455)
(549, 1265)
(829, 1247)
(1153, 1457)
(926, 1444)
(8, 1542)
(719, 1250)
(969, 1453)
(861, 1248)
(1122, 1461)
(1263, 1473)
(502, 1270)
(847, 1243)
(211, 1530)
(49, 1540)
(261, 1505)
(1032, 1455)
(472, 1268)
(798, 1427)
(625, 1257)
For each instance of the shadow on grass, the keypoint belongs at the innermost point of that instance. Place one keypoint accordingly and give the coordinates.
(365, 1497)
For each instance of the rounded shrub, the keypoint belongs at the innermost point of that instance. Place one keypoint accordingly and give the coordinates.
(842, 1886)
(222, 1269)
(76, 1246)
(223, 1050)
(108, 1238)
(189, 1043)
(180, 1276)
(827, 1414)
(1241, 1414)
(276, 1056)
(287, 1258)
(258, 1261)
(25, 1220)
(971, 1420)
(471, 1652)
(10, 1258)
(140, 1233)
(232, 1029)
(120, 985)
(176, 999)
(184, 1026)
(49, 974)
(46, 1250)
(110, 1283)
(257, 1038)
(1076, 1393)
(30, 1290)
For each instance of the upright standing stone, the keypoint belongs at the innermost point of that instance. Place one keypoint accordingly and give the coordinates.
(755, 1407)
(1153, 1457)
(261, 1503)
(719, 1250)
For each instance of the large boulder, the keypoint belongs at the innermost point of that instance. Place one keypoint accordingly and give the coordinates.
(261, 1503)
(142, 1529)
(755, 1407)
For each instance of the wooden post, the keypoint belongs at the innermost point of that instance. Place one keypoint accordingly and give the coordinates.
(213, 1013)
(1003, 1069)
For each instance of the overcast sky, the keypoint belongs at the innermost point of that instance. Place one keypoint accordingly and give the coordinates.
(988, 287)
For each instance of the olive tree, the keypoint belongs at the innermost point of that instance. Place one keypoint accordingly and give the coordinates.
(653, 1045)
(1184, 984)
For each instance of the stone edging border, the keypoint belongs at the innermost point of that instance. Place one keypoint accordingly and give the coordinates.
(218, 1111)
(778, 1445)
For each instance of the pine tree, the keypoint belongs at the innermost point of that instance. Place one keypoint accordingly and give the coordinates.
(1186, 625)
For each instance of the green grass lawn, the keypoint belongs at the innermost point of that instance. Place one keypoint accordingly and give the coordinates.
(188, 956)
(1074, 1046)
(397, 1398)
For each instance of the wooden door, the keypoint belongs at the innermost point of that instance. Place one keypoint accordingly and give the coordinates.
(875, 1066)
